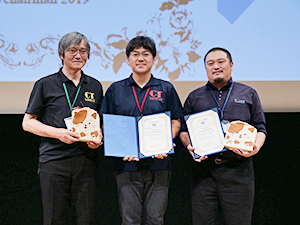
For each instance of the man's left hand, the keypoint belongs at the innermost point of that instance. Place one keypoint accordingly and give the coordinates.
(95, 144)
(160, 156)
(247, 153)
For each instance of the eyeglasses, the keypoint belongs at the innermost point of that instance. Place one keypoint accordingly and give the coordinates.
(73, 52)
(136, 55)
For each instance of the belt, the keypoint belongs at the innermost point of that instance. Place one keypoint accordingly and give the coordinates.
(220, 161)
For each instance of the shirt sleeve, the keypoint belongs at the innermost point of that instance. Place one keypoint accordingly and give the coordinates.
(174, 104)
(100, 99)
(187, 110)
(107, 104)
(36, 101)
(257, 114)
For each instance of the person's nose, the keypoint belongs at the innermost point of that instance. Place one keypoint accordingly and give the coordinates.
(77, 55)
(216, 66)
(140, 57)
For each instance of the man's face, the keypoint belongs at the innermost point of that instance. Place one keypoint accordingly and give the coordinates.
(75, 56)
(218, 68)
(141, 61)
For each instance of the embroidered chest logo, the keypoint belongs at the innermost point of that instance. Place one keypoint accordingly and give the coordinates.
(89, 97)
(155, 95)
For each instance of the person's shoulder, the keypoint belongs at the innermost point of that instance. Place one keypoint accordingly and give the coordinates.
(244, 86)
(89, 77)
(92, 79)
(164, 83)
(118, 84)
(161, 80)
(198, 90)
(47, 78)
(197, 93)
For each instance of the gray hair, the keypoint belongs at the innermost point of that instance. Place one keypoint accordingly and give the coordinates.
(73, 38)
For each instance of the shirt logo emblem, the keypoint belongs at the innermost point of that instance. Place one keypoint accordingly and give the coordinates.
(155, 95)
(89, 97)
(240, 101)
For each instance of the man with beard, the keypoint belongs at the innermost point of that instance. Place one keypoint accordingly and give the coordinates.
(223, 183)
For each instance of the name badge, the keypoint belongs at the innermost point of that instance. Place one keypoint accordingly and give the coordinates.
(68, 122)
(241, 101)
(225, 125)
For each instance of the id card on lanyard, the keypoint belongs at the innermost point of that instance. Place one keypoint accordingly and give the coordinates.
(68, 120)
(225, 123)
(137, 100)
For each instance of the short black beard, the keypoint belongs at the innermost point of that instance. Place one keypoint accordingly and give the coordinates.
(219, 80)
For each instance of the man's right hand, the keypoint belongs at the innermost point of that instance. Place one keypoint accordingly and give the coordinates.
(31, 124)
(66, 136)
(128, 158)
(191, 150)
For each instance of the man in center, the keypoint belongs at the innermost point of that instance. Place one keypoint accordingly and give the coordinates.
(143, 184)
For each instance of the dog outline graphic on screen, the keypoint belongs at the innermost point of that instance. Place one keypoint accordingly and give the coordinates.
(86, 124)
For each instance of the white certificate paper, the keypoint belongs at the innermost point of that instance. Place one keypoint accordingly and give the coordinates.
(155, 134)
(143, 136)
(205, 132)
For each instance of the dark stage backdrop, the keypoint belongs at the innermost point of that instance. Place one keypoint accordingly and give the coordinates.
(276, 173)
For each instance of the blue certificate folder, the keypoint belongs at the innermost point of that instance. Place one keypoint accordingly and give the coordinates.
(123, 137)
(206, 132)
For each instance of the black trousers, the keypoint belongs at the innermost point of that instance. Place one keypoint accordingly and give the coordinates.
(70, 182)
(143, 196)
(223, 194)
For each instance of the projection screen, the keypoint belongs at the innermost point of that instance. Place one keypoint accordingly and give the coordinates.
(262, 36)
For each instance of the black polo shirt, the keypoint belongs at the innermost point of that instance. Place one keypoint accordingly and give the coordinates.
(49, 102)
(243, 104)
(120, 100)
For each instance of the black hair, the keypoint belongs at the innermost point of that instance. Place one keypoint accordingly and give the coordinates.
(219, 49)
(141, 41)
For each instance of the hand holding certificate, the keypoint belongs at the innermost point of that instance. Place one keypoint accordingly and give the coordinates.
(205, 132)
(207, 137)
(144, 136)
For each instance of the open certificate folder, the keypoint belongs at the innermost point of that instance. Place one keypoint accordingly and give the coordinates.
(205, 131)
(142, 136)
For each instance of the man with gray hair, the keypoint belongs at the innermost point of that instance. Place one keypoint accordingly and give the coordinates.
(67, 167)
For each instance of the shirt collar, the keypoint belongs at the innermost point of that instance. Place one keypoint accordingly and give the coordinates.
(226, 87)
(152, 82)
(64, 79)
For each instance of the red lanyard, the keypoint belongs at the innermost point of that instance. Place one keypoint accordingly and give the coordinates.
(137, 101)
